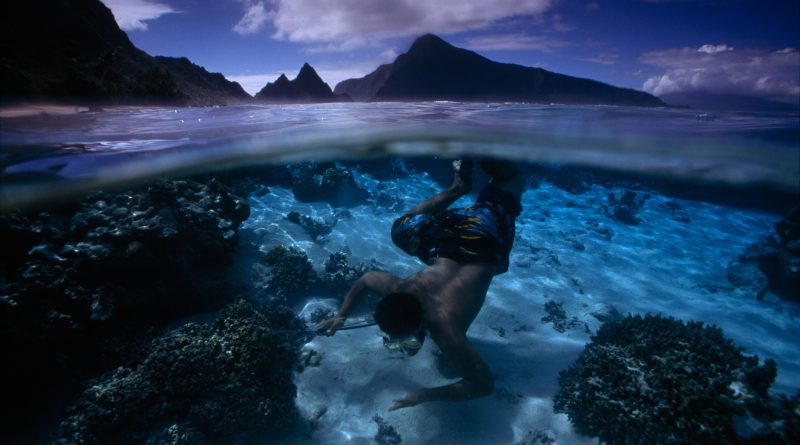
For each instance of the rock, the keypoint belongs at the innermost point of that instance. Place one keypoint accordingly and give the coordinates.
(626, 207)
(677, 213)
(654, 379)
(324, 182)
(314, 228)
(228, 384)
(386, 434)
(772, 264)
(557, 316)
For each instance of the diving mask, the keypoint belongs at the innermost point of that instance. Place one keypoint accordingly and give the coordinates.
(410, 344)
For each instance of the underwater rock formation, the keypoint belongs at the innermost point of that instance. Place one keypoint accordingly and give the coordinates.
(314, 228)
(386, 434)
(82, 282)
(312, 182)
(627, 207)
(772, 264)
(230, 383)
(658, 380)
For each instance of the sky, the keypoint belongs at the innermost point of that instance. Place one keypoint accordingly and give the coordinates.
(660, 46)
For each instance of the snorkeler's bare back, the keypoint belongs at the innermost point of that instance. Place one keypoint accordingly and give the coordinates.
(451, 294)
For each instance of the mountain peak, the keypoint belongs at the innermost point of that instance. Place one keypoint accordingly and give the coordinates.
(307, 72)
(306, 87)
(428, 41)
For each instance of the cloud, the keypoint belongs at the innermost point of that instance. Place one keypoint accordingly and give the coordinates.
(255, 18)
(603, 58)
(349, 24)
(713, 49)
(132, 14)
(722, 69)
(513, 42)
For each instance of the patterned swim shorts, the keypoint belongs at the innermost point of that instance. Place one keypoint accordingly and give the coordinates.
(481, 233)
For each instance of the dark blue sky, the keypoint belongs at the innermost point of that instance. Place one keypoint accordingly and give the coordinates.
(660, 46)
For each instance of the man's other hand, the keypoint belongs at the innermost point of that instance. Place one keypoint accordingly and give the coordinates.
(412, 399)
(329, 326)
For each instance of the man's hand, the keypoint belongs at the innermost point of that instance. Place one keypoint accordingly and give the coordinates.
(412, 399)
(329, 326)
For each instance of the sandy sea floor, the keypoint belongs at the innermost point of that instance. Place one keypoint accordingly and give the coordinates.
(567, 250)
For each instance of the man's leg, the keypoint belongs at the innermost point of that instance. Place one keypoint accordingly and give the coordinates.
(462, 184)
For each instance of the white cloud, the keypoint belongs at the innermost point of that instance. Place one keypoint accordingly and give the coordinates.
(348, 24)
(132, 14)
(255, 18)
(513, 42)
(713, 49)
(603, 58)
(721, 69)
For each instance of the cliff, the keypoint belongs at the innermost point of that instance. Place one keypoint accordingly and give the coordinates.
(74, 50)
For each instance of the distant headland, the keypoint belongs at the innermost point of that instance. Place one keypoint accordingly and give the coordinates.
(433, 69)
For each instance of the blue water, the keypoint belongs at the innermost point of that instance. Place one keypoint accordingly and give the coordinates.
(662, 265)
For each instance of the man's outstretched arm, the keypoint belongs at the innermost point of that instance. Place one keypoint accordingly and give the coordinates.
(477, 379)
(381, 283)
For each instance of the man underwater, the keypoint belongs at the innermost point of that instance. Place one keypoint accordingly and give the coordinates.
(464, 249)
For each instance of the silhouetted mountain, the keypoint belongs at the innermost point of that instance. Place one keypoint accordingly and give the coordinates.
(728, 102)
(433, 69)
(306, 87)
(74, 50)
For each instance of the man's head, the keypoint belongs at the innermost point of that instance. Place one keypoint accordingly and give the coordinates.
(399, 314)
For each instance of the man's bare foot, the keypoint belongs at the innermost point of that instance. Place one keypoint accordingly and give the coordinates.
(462, 176)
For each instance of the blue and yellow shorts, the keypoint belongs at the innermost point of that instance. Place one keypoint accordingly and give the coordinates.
(481, 233)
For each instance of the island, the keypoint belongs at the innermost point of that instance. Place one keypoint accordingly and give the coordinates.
(433, 69)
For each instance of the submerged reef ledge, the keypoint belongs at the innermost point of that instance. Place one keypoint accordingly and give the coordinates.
(654, 379)
(230, 383)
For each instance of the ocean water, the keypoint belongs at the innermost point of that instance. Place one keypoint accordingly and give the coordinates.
(709, 185)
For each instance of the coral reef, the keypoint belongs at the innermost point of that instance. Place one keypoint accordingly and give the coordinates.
(291, 274)
(339, 275)
(82, 283)
(228, 384)
(658, 380)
